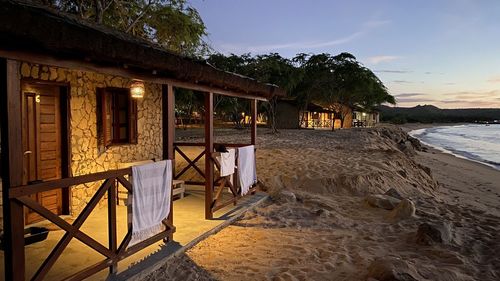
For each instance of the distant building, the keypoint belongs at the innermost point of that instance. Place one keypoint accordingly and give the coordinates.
(289, 116)
(365, 119)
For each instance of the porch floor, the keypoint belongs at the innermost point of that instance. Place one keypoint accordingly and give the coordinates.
(189, 219)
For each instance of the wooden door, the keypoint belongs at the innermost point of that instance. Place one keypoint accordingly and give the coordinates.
(42, 144)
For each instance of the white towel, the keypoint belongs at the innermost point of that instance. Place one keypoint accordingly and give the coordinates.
(247, 173)
(152, 185)
(227, 162)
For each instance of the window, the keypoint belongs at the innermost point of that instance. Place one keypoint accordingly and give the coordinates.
(116, 117)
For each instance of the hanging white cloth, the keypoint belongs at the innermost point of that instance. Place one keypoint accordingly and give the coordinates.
(227, 162)
(247, 172)
(152, 185)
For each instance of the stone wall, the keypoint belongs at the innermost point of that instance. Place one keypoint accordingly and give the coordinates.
(85, 157)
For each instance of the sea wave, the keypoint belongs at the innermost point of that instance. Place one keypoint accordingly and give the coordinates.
(475, 142)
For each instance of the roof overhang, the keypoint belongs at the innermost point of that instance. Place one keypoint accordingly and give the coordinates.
(31, 31)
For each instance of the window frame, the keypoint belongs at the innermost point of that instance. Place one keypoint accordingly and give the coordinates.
(108, 114)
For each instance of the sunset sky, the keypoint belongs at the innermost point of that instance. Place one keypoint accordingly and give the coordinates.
(441, 52)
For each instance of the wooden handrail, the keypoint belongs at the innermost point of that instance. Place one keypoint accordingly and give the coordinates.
(114, 253)
(30, 189)
(189, 143)
(217, 143)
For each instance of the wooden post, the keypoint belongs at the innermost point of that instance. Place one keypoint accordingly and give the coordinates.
(168, 121)
(253, 113)
(168, 109)
(12, 167)
(112, 235)
(209, 148)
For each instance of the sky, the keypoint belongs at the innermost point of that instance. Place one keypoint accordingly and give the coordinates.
(440, 52)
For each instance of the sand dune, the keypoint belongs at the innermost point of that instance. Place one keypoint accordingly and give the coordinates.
(318, 226)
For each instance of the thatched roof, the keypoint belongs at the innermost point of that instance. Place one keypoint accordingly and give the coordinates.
(311, 107)
(39, 30)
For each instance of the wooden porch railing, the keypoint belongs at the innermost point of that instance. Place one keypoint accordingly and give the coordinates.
(316, 123)
(219, 183)
(113, 252)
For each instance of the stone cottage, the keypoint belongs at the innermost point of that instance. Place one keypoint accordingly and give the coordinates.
(76, 101)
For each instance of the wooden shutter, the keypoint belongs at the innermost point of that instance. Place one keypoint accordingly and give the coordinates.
(132, 121)
(107, 117)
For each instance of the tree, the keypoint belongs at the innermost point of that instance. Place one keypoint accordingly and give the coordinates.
(271, 68)
(339, 82)
(277, 70)
(186, 103)
(316, 79)
(173, 24)
(350, 85)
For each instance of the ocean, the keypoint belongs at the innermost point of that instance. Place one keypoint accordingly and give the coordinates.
(477, 142)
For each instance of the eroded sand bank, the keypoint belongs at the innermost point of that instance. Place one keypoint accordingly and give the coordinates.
(318, 226)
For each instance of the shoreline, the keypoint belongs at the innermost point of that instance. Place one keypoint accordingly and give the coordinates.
(410, 130)
(460, 174)
(417, 126)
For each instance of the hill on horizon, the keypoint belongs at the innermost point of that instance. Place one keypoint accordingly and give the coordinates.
(434, 114)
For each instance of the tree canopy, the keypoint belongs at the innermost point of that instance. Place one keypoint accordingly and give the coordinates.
(339, 82)
(173, 24)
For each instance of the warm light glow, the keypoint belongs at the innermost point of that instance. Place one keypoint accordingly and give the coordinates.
(243, 114)
(137, 89)
(364, 114)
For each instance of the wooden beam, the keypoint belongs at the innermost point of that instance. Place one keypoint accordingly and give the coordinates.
(190, 163)
(168, 121)
(12, 167)
(253, 109)
(209, 149)
(24, 190)
(87, 66)
(171, 121)
(177, 144)
(112, 233)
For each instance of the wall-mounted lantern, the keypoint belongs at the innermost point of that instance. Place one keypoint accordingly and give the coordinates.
(137, 89)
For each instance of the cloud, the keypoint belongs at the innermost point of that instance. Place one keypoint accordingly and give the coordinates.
(376, 23)
(303, 45)
(380, 59)
(470, 104)
(494, 79)
(393, 71)
(450, 83)
(462, 99)
(415, 100)
(454, 101)
(402, 82)
(237, 48)
(408, 95)
(474, 95)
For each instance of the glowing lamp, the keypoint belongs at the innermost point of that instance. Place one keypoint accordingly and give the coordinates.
(137, 89)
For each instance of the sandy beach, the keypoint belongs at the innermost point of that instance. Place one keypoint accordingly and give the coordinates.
(327, 218)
